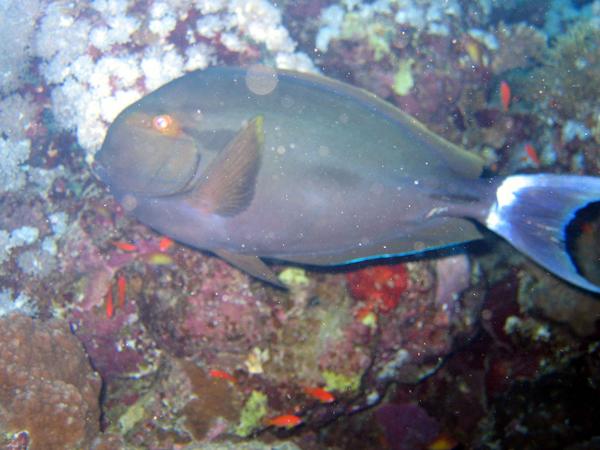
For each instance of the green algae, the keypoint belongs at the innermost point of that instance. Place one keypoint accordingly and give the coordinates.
(294, 276)
(253, 412)
(369, 320)
(403, 79)
(133, 415)
(340, 382)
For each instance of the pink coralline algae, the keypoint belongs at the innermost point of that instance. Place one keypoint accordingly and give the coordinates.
(213, 314)
(47, 386)
(115, 347)
(280, 343)
(436, 312)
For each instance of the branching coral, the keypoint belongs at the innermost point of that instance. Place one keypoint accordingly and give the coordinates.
(520, 46)
(569, 75)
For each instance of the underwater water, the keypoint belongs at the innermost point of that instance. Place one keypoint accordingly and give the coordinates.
(126, 324)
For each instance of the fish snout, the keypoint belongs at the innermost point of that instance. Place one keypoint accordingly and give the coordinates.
(137, 160)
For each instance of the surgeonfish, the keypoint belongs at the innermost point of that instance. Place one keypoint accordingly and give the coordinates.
(263, 163)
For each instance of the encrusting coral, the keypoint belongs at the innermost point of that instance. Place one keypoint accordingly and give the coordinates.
(47, 386)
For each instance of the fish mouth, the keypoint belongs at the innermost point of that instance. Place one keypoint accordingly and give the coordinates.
(100, 172)
(163, 181)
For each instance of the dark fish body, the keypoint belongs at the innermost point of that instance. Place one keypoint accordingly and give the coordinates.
(309, 170)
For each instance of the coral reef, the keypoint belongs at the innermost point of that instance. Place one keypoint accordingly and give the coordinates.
(276, 344)
(472, 347)
(47, 387)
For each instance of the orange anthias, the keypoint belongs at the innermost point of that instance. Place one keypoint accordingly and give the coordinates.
(532, 154)
(320, 394)
(165, 244)
(110, 308)
(505, 95)
(284, 421)
(125, 246)
(215, 373)
(121, 290)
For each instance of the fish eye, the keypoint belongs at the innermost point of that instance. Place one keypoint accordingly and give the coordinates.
(162, 122)
(166, 125)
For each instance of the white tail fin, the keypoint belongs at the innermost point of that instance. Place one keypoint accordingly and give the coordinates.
(532, 212)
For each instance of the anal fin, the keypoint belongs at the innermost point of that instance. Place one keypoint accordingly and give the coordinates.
(252, 265)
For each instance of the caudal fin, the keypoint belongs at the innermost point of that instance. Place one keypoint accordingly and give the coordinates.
(532, 212)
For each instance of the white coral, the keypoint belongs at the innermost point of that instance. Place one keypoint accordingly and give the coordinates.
(12, 156)
(22, 304)
(138, 52)
(17, 22)
(17, 113)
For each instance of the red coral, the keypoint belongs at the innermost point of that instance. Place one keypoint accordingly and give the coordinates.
(379, 286)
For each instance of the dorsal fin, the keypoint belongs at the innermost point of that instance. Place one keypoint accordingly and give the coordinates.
(463, 162)
(227, 188)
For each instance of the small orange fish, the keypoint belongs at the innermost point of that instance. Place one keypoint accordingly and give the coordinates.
(284, 421)
(165, 244)
(505, 95)
(121, 290)
(320, 394)
(530, 150)
(110, 308)
(125, 246)
(215, 373)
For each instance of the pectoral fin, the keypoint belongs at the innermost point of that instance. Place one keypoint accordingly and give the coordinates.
(227, 188)
(252, 265)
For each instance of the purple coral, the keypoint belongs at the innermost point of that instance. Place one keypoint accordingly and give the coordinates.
(407, 426)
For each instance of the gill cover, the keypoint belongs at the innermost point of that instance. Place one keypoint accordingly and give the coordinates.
(147, 154)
